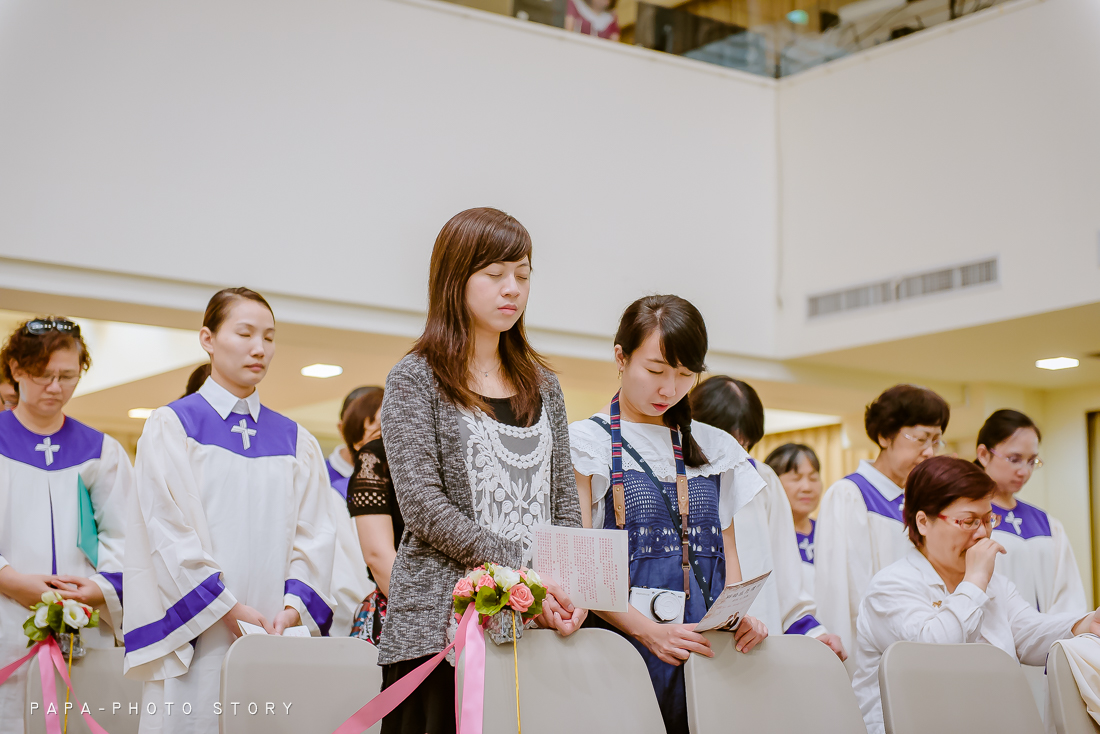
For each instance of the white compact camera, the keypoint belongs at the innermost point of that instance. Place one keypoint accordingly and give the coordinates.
(660, 605)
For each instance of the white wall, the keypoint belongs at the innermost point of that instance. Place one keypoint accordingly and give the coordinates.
(314, 149)
(972, 139)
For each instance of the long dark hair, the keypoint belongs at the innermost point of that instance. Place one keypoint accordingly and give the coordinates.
(470, 241)
(732, 405)
(1001, 425)
(683, 337)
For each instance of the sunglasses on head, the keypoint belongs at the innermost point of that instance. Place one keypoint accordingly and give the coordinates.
(43, 326)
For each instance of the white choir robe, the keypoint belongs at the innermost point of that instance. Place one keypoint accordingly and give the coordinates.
(339, 471)
(909, 601)
(350, 581)
(233, 505)
(784, 604)
(859, 532)
(1039, 559)
(40, 526)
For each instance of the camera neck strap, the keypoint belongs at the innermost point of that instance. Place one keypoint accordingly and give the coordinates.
(618, 486)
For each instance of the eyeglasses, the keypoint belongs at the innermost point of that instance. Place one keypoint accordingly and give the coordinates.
(973, 523)
(65, 379)
(37, 327)
(1019, 462)
(934, 442)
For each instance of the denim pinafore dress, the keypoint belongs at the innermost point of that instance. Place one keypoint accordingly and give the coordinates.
(655, 560)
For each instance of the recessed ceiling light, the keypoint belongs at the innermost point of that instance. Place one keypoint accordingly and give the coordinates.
(322, 370)
(140, 413)
(1057, 363)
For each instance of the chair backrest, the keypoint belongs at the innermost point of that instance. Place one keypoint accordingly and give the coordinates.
(788, 683)
(593, 680)
(98, 682)
(1070, 714)
(955, 688)
(324, 679)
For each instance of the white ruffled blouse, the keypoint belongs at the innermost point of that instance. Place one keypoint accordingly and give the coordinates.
(590, 446)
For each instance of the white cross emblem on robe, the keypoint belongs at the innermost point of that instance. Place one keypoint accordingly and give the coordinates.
(48, 449)
(243, 429)
(808, 547)
(1014, 521)
(901, 508)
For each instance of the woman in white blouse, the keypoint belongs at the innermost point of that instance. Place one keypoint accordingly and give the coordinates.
(945, 589)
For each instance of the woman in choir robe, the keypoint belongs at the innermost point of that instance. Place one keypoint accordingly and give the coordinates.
(477, 441)
(859, 528)
(232, 523)
(1038, 557)
(785, 603)
(644, 455)
(63, 493)
(945, 589)
(799, 471)
(340, 462)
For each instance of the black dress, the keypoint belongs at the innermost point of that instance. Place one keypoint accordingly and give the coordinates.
(370, 492)
(370, 489)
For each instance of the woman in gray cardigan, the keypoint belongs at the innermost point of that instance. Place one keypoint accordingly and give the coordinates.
(475, 429)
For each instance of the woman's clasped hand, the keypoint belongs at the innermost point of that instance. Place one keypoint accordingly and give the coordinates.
(558, 612)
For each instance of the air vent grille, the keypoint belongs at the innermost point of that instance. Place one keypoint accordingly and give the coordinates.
(903, 288)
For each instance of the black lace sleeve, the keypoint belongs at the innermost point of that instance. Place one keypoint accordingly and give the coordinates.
(370, 490)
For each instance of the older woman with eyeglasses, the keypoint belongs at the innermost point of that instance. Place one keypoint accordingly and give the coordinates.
(945, 590)
(859, 528)
(63, 492)
(1039, 559)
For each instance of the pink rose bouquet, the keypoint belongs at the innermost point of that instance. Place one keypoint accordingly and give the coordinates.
(492, 588)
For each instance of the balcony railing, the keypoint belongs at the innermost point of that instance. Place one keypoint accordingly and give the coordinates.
(774, 38)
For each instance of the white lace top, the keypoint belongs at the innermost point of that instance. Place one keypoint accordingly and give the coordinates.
(509, 470)
(590, 447)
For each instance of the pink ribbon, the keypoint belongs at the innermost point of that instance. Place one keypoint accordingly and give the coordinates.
(471, 707)
(49, 654)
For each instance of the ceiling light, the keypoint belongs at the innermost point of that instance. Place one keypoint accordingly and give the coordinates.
(1057, 363)
(140, 413)
(322, 370)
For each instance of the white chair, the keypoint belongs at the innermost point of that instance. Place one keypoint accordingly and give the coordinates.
(324, 679)
(952, 689)
(592, 681)
(98, 682)
(1071, 715)
(788, 683)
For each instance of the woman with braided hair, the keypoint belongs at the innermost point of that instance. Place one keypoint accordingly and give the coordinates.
(640, 462)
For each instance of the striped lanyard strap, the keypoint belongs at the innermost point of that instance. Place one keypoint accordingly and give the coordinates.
(618, 487)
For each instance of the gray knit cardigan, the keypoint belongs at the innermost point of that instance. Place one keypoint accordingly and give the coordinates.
(442, 539)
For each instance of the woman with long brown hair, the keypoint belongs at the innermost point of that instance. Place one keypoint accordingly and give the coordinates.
(477, 440)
